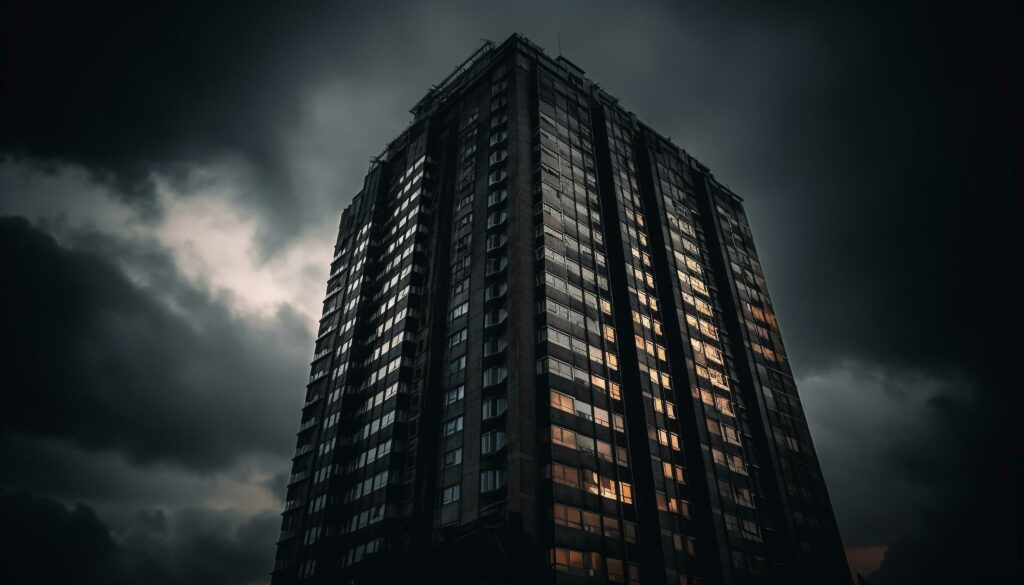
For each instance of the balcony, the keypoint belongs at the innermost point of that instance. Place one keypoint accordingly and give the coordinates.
(308, 424)
(297, 477)
(300, 451)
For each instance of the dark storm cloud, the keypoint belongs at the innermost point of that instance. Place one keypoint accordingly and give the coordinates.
(90, 357)
(121, 87)
(44, 542)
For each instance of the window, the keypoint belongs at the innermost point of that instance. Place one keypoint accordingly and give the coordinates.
(499, 136)
(493, 407)
(497, 197)
(620, 423)
(453, 426)
(566, 559)
(450, 494)
(585, 444)
(626, 493)
(495, 375)
(751, 531)
(736, 464)
(453, 457)
(460, 287)
(584, 411)
(455, 394)
(494, 178)
(497, 218)
(563, 437)
(498, 156)
(495, 265)
(495, 317)
(677, 539)
(496, 241)
(731, 435)
(495, 290)
(568, 516)
(492, 442)
(459, 311)
(495, 345)
(562, 402)
(591, 523)
(634, 574)
(630, 531)
(565, 475)
(457, 337)
(457, 365)
(491, 480)
(616, 573)
(611, 527)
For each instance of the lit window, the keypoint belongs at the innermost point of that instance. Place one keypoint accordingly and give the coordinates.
(565, 475)
(562, 402)
(568, 560)
(562, 436)
(568, 516)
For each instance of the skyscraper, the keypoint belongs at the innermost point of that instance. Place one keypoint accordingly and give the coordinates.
(547, 354)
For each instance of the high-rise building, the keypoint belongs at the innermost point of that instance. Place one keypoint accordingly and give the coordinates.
(548, 355)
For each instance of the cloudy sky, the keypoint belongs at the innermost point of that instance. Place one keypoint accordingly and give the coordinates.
(171, 177)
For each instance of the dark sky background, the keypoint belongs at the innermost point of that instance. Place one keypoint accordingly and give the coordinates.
(171, 177)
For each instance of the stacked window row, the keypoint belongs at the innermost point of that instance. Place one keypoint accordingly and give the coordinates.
(657, 384)
(715, 395)
(808, 498)
(592, 492)
(488, 484)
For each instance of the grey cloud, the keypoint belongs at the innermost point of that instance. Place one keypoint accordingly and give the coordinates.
(90, 357)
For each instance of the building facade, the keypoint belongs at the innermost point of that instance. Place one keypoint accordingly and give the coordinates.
(548, 355)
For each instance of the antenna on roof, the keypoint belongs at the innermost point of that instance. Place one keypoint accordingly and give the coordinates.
(559, 43)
